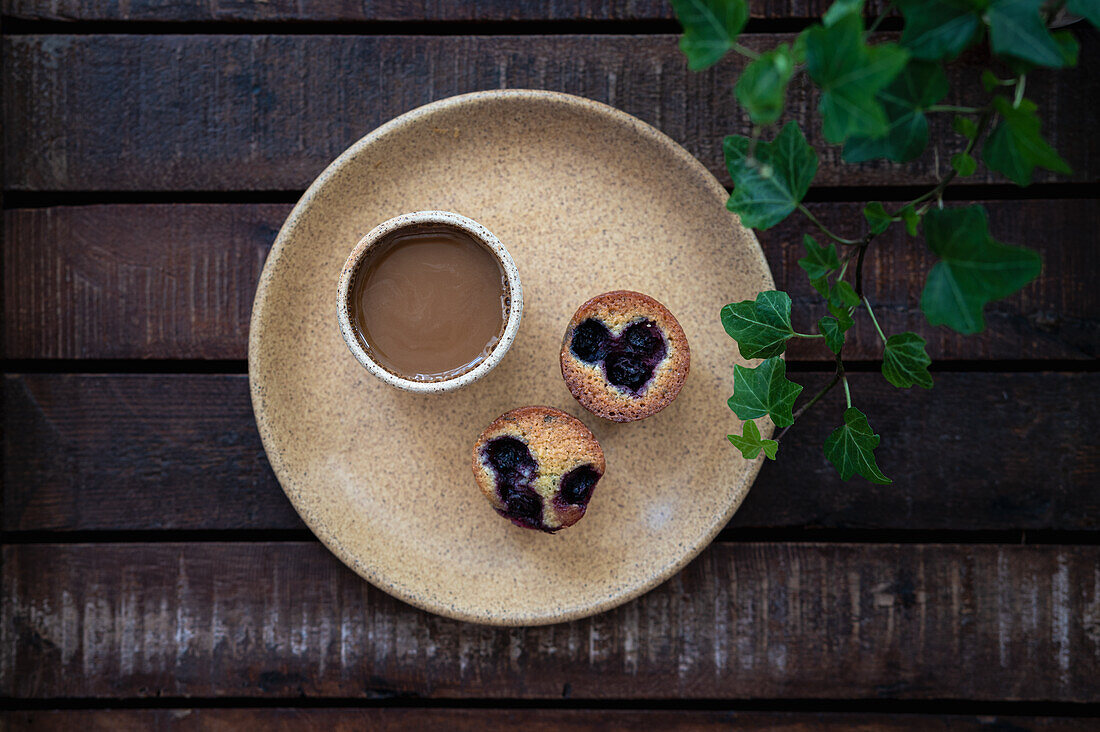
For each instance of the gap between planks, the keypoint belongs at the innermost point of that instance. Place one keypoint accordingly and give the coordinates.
(107, 366)
(751, 535)
(14, 199)
(921, 708)
(427, 28)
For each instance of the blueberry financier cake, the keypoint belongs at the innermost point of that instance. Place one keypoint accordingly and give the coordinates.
(624, 356)
(538, 467)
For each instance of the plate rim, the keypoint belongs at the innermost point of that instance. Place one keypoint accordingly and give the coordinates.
(256, 385)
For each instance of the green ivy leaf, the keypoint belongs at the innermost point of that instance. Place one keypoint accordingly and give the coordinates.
(905, 362)
(1017, 29)
(769, 186)
(819, 260)
(798, 48)
(964, 164)
(877, 217)
(1068, 46)
(821, 284)
(974, 269)
(990, 81)
(1086, 8)
(839, 9)
(965, 127)
(761, 327)
(920, 85)
(911, 218)
(1018, 66)
(840, 299)
(843, 316)
(851, 448)
(764, 390)
(936, 29)
(1015, 147)
(750, 444)
(850, 74)
(762, 88)
(710, 28)
(843, 293)
(834, 336)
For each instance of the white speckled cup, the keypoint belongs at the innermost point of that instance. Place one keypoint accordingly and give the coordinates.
(367, 246)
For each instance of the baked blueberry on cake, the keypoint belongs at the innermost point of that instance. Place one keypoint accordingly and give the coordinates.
(624, 356)
(538, 467)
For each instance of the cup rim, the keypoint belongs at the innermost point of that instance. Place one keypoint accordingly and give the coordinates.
(420, 218)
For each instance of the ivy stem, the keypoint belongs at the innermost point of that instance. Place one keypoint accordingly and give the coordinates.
(847, 391)
(824, 229)
(1020, 91)
(878, 21)
(867, 304)
(746, 52)
(808, 335)
(843, 269)
(952, 108)
(816, 397)
(935, 193)
(859, 266)
(983, 124)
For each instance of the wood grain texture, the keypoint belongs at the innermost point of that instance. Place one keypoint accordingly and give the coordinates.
(120, 112)
(1057, 316)
(159, 281)
(162, 452)
(146, 452)
(380, 10)
(743, 620)
(529, 720)
(176, 281)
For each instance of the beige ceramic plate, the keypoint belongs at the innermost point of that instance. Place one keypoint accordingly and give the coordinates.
(587, 199)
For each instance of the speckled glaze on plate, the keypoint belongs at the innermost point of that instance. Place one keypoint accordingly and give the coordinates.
(586, 199)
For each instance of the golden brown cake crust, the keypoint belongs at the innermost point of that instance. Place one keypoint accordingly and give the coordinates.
(588, 382)
(559, 443)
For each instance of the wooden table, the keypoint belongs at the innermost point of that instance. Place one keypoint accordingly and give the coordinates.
(155, 575)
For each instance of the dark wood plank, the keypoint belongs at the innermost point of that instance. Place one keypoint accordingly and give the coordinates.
(980, 622)
(381, 10)
(160, 281)
(962, 456)
(530, 720)
(122, 112)
(176, 281)
(979, 451)
(1058, 316)
(142, 452)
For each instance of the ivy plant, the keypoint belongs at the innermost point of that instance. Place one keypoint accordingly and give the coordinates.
(874, 98)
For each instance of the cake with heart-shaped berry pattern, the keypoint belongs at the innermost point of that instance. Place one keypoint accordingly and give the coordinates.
(624, 356)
